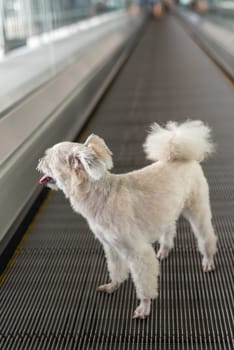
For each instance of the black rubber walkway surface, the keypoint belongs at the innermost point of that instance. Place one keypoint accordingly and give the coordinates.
(48, 299)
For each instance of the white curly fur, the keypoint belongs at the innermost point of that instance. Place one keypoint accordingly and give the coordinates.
(187, 141)
(128, 212)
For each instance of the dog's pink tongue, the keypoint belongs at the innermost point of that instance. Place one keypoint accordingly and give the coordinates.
(44, 179)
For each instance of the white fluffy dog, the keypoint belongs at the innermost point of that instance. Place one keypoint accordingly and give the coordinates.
(128, 212)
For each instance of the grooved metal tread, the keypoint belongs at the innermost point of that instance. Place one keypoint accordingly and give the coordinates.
(48, 299)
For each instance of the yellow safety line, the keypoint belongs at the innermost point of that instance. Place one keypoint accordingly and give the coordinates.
(24, 238)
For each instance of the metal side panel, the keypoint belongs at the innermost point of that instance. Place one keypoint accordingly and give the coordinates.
(48, 298)
(217, 40)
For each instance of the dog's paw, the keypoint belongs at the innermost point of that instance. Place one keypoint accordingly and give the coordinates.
(139, 314)
(163, 252)
(208, 265)
(142, 310)
(108, 288)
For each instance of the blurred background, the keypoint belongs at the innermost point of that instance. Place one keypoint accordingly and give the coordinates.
(69, 68)
(21, 20)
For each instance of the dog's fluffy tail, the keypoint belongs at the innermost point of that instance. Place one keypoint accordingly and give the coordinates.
(190, 140)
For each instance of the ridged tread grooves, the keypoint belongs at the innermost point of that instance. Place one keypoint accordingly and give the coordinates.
(48, 299)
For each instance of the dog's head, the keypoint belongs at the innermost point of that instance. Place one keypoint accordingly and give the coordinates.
(63, 161)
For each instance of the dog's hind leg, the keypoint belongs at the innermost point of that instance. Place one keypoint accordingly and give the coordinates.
(144, 268)
(118, 270)
(167, 241)
(198, 213)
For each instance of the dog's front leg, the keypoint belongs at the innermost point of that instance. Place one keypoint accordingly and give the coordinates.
(118, 269)
(144, 268)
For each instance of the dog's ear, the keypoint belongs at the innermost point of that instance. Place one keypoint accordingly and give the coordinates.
(93, 165)
(99, 147)
(75, 162)
(86, 161)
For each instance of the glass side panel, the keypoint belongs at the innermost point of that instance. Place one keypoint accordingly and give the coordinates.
(22, 19)
(219, 12)
(39, 38)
